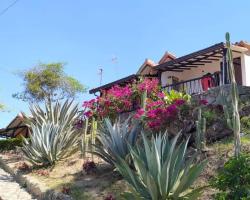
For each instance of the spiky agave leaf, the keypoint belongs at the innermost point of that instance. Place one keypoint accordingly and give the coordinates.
(115, 140)
(54, 136)
(163, 170)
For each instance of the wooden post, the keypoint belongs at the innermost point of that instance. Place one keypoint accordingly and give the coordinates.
(225, 76)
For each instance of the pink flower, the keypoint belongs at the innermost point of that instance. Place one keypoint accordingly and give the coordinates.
(155, 104)
(152, 114)
(148, 85)
(154, 124)
(139, 113)
(179, 102)
(118, 91)
(160, 95)
(88, 114)
(171, 110)
(203, 102)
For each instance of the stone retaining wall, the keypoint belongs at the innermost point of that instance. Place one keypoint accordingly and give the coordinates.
(213, 97)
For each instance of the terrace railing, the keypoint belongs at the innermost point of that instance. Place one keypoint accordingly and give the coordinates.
(196, 85)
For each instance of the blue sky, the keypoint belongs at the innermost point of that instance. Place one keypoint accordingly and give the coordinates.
(89, 34)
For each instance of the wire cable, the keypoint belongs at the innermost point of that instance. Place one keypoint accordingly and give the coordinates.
(7, 8)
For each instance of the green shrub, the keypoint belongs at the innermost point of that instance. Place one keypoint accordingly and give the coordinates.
(10, 144)
(173, 95)
(245, 124)
(234, 179)
(209, 115)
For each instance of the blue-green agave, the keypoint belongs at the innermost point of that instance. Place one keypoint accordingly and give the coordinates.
(115, 139)
(162, 170)
(53, 133)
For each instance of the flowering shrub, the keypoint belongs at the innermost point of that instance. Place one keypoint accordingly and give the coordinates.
(119, 99)
(160, 108)
(158, 113)
(90, 107)
(115, 100)
(148, 85)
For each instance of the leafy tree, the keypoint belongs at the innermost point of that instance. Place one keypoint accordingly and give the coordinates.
(1, 107)
(48, 82)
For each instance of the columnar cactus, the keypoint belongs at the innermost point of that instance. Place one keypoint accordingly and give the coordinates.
(235, 120)
(84, 143)
(200, 140)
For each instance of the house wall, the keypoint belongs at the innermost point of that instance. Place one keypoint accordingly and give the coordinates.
(245, 66)
(190, 74)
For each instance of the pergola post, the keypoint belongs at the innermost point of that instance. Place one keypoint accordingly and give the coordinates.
(225, 71)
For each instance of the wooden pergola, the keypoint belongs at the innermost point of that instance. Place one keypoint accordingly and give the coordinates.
(200, 58)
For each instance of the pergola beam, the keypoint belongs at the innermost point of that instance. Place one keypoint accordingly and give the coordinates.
(215, 49)
(174, 70)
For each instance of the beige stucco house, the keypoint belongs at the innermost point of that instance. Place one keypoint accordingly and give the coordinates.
(196, 72)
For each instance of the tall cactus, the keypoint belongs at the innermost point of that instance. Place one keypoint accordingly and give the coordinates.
(144, 100)
(235, 120)
(200, 140)
(93, 135)
(84, 143)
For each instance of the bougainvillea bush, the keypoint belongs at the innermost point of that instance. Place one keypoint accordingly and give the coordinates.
(160, 107)
(112, 102)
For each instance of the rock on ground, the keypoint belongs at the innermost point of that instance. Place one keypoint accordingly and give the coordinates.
(11, 190)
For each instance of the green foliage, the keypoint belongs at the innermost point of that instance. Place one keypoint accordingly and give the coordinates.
(10, 144)
(48, 82)
(245, 124)
(1, 107)
(163, 170)
(234, 179)
(54, 136)
(209, 115)
(173, 95)
(115, 140)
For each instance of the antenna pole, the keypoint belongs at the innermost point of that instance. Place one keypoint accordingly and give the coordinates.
(100, 73)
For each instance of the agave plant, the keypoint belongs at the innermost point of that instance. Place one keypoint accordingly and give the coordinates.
(162, 170)
(115, 140)
(54, 136)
